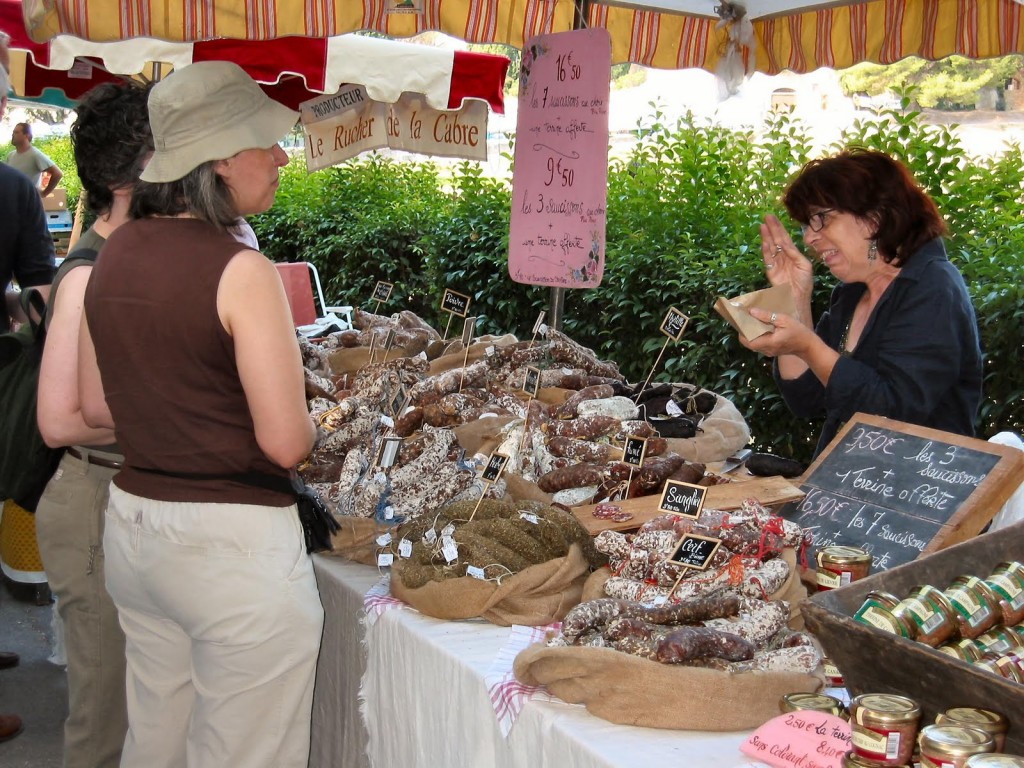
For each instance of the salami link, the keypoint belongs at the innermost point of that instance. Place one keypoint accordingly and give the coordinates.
(586, 427)
(693, 611)
(591, 614)
(574, 476)
(579, 450)
(567, 410)
(689, 643)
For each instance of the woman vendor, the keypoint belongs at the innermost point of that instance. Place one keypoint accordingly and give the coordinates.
(899, 338)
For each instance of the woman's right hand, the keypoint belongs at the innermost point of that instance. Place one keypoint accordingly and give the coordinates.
(783, 261)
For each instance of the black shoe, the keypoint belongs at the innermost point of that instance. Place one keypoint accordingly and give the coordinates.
(8, 659)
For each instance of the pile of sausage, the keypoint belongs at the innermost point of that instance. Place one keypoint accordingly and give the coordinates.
(745, 563)
(721, 631)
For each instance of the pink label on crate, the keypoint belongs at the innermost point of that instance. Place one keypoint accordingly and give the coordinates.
(801, 739)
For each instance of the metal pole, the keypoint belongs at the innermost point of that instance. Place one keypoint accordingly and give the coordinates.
(555, 308)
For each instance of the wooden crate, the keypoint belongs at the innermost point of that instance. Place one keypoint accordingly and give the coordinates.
(873, 661)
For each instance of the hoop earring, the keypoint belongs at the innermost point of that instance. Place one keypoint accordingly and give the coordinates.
(873, 251)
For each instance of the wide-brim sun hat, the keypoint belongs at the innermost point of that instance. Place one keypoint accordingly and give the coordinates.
(207, 111)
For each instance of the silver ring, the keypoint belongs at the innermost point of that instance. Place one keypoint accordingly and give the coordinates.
(778, 248)
(773, 318)
(769, 266)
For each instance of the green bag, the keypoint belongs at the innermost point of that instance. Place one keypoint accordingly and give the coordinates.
(26, 462)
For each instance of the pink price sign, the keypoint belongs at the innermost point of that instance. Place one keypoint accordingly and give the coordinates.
(560, 183)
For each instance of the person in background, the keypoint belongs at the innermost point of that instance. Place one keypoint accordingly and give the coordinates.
(26, 252)
(111, 140)
(188, 347)
(900, 337)
(31, 161)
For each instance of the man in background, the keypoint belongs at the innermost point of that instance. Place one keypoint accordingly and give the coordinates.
(26, 252)
(31, 161)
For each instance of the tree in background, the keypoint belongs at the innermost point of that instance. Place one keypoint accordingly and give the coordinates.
(952, 83)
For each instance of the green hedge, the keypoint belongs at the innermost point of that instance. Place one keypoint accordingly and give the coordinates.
(683, 215)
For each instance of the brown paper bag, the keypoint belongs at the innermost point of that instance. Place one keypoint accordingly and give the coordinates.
(778, 298)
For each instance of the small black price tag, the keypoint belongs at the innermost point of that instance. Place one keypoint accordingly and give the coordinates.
(382, 291)
(695, 551)
(634, 451)
(684, 499)
(389, 340)
(454, 302)
(467, 331)
(388, 451)
(531, 384)
(495, 466)
(674, 324)
(397, 402)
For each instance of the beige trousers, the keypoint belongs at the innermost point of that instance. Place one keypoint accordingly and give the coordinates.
(69, 531)
(222, 621)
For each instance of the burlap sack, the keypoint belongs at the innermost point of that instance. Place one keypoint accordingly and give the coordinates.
(724, 432)
(629, 690)
(357, 539)
(539, 595)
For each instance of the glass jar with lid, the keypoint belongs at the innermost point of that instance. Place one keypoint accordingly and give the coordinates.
(1007, 581)
(994, 724)
(976, 604)
(816, 702)
(994, 761)
(839, 566)
(931, 613)
(949, 746)
(878, 611)
(884, 727)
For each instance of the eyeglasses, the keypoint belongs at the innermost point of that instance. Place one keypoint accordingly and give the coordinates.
(817, 221)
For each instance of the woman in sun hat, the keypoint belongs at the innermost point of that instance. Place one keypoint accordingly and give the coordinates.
(900, 337)
(188, 351)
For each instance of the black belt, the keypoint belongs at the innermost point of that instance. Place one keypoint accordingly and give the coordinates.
(92, 458)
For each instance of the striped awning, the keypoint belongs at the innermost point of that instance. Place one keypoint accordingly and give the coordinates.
(767, 35)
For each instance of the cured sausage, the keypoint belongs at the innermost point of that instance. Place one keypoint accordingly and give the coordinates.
(690, 643)
(567, 410)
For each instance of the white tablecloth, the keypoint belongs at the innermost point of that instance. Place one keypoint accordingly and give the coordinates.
(426, 702)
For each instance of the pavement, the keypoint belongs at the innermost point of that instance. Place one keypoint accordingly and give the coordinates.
(36, 689)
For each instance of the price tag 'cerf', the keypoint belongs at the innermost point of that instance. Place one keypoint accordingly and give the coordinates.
(634, 451)
(531, 384)
(694, 551)
(495, 466)
(674, 324)
(454, 302)
(683, 499)
(382, 291)
(467, 331)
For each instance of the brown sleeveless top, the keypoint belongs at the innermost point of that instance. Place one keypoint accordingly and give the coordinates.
(168, 364)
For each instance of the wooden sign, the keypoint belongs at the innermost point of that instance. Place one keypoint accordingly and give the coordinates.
(455, 303)
(900, 491)
(695, 551)
(683, 499)
(382, 291)
(389, 340)
(531, 384)
(388, 451)
(539, 323)
(495, 466)
(674, 324)
(634, 451)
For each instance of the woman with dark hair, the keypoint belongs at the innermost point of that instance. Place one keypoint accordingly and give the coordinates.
(189, 353)
(899, 338)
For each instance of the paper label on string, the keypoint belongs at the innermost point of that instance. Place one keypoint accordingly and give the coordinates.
(476, 573)
(529, 517)
(385, 559)
(449, 549)
(489, 351)
(389, 512)
(430, 536)
(384, 539)
(448, 530)
(380, 477)
(673, 409)
(405, 548)
(387, 421)
(543, 329)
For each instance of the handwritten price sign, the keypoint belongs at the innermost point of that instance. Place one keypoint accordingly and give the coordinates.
(559, 190)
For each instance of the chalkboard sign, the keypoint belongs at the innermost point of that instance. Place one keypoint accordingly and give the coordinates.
(495, 465)
(531, 383)
(900, 490)
(398, 401)
(382, 291)
(388, 451)
(695, 551)
(634, 450)
(674, 324)
(389, 340)
(456, 303)
(683, 499)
